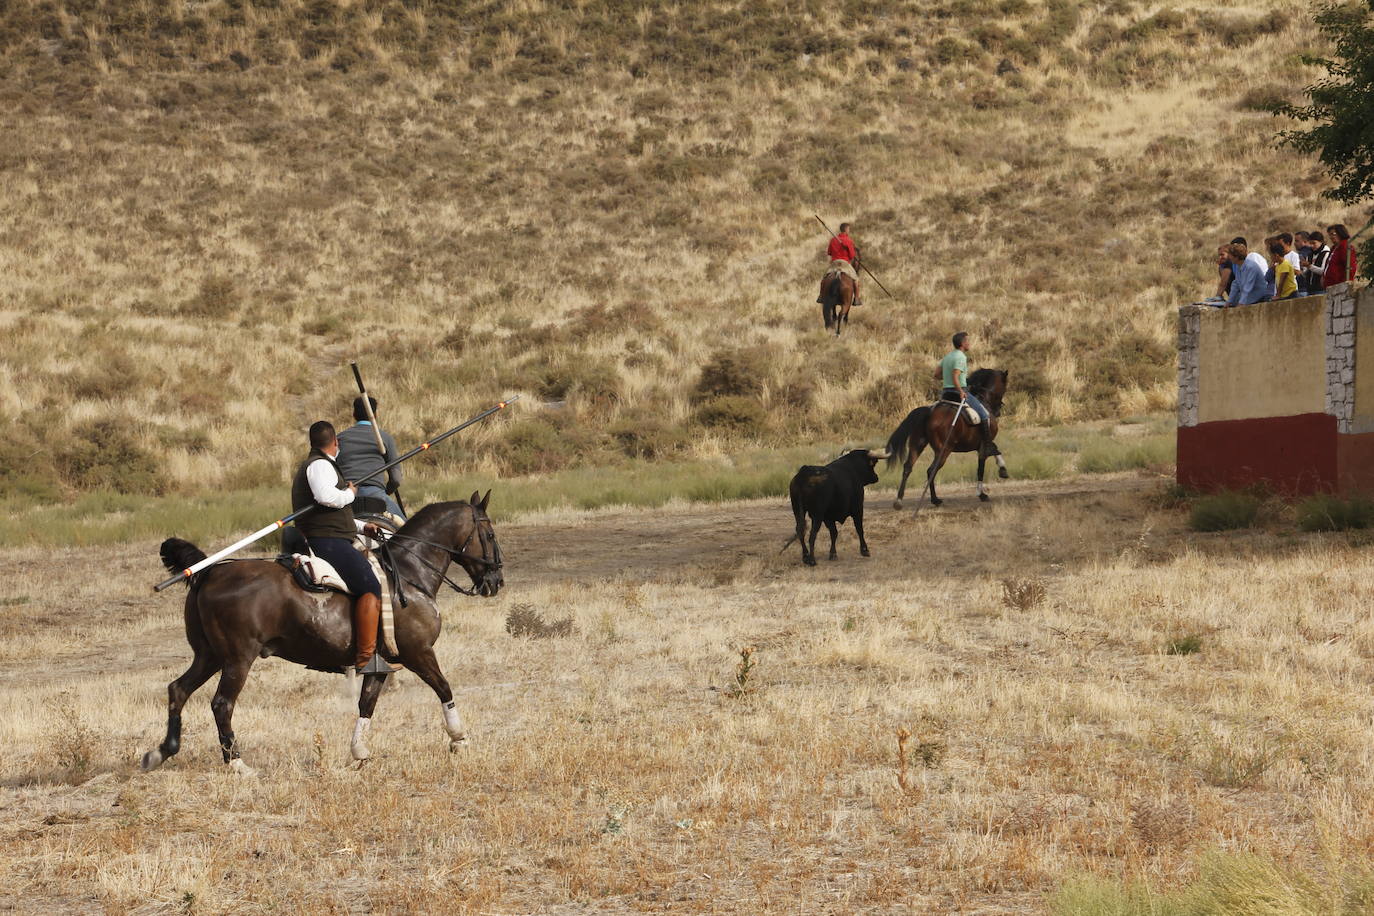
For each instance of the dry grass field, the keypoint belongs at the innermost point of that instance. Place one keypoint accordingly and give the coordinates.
(211, 207)
(1019, 708)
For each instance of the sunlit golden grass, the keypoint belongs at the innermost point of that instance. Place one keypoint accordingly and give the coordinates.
(210, 212)
(617, 767)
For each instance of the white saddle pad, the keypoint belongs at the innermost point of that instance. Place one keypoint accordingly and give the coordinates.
(321, 572)
(972, 416)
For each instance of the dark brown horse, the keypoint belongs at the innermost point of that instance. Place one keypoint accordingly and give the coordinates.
(838, 292)
(242, 610)
(938, 427)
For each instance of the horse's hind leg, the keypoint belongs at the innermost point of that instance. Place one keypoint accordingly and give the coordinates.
(930, 478)
(367, 703)
(226, 694)
(913, 451)
(178, 692)
(426, 668)
(982, 461)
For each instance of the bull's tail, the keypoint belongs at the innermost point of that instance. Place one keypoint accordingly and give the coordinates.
(798, 512)
(900, 441)
(178, 554)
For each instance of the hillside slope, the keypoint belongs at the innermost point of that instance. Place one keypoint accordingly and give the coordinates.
(212, 207)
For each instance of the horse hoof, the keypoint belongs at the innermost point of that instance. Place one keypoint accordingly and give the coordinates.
(454, 744)
(935, 502)
(865, 553)
(984, 497)
(239, 768)
(151, 761)
(809, 561)
(1002, 473)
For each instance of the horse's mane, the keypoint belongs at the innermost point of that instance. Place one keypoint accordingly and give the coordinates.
(981, 379)
(420, 520)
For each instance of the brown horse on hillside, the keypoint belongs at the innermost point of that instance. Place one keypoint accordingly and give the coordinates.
(938, 427)
(838, 294)
(242, 610)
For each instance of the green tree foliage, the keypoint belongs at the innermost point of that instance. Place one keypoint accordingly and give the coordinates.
(1341, 109)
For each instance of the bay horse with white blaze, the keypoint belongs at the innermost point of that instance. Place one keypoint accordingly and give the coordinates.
(241, 610)
(938, 427)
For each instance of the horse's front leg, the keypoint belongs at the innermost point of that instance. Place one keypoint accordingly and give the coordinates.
(982, 461)
(367, 703)
(426, 668)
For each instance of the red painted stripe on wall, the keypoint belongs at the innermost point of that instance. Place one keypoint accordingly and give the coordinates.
(1355, 463)
(1294, 455)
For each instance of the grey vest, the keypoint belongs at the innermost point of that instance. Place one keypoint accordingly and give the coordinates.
(322, 521)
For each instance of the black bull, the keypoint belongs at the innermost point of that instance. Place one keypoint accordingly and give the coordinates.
(830, 495)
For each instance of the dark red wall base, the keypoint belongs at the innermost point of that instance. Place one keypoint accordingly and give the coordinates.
(1292, 455)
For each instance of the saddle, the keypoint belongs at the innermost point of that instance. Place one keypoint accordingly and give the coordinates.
(312, 573)
(970, 414)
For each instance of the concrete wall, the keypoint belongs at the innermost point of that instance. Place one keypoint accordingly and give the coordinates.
(1270, 394)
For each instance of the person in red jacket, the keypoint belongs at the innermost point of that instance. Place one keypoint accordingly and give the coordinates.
(1337, 268)
(844, 257)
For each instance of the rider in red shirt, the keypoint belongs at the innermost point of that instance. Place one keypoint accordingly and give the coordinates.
(842, 248)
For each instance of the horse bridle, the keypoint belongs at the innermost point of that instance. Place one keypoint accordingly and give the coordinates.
(491, 552)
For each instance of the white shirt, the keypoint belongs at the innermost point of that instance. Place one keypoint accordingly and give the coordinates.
(1293, 258)
(323, 478)
(1259, 261)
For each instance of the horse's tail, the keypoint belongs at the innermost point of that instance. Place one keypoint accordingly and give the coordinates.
(900, 440)
(178, 554)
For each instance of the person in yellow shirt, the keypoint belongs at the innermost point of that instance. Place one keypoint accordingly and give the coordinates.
(1285, 280)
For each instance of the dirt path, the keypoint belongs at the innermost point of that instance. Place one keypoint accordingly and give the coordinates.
(64, 624)
(635, 544)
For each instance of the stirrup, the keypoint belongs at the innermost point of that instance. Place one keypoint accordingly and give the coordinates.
(376, 665)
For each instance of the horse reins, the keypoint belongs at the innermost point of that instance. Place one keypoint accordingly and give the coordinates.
(491, 552)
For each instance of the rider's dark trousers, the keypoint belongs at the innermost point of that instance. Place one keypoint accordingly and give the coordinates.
(351, 565)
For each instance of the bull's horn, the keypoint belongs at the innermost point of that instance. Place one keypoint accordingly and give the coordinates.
(876, 453)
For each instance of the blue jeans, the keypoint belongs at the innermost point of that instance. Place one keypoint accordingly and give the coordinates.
(351, 566)
(952, 394)
(377, 492)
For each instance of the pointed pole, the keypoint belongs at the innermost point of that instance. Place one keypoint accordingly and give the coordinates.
(263, 532)
(376, 434)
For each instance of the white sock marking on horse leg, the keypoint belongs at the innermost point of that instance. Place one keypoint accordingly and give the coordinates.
(152, 760)
(981, 489)
(1000, 462)
(359, 743)
(454, 726)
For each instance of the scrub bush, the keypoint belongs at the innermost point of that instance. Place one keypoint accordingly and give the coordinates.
(1223, 512)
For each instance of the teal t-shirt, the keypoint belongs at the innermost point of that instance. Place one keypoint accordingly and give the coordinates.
(954, 361)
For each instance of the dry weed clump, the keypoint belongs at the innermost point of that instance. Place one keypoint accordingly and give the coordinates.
(524, 620)
(71, 744)
(1023, 594)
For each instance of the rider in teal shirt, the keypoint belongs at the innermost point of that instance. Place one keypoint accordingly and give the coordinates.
(954, 374)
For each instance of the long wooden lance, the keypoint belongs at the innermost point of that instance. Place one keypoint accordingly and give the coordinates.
(263, 532)
(376, 433)
(861, 263)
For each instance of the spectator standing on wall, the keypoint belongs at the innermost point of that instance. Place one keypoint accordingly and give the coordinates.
(1340, 265)
(1285, 277)
(1302, 245)
(1320, 254)
(1249, 286)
